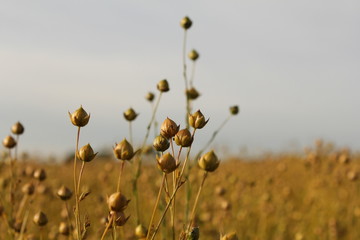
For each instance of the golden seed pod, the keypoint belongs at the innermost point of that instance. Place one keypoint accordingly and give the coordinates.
(161, 143)
(193, 55)
(169, 128)
(86, 153)
(194, 234)
(209, 162)
(141, 231)
(64, 229)
(130, 115)
(17, 128)
(234, 110)
(9, 142)
(230, 236)
(117, 202)
(192, 93)
(123, 150)
(40, 174)
(40, 219)
(163, 86)
(150, 96)
(64, 193)
(79, 118)
(28, 189)
(197, 120)
(120, 218)
(167, 163)
(183, 138)
(186, 23)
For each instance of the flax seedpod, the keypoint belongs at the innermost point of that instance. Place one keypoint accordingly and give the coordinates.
(169, 128)
(141, 231)
(64, 229)
(28, 189)
(17, 128)
(40, 219)
(161, 143)
(186, 23)
(64, 193)
(79, 118)
(197, 120)
(9, 142)
(124, 150)
(117, 202)
(163, 86)
(86, 153)
(192, 93)
(167, 163)
(150, 96)
(209, 162)
(183, 138)
(193, 55)
(230, 236)
(40, 174)
(120, 218)
(234, 110)
(130, 114)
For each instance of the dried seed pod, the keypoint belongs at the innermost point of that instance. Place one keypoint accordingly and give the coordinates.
(64, 229)
(163, 86)
(186, 23)
(17, 128)
(40, 174)
(192, 93)
(183, 138)
(234, 110)
(161, 143)
(193, 55)
(194, 234)
(9, 142)
(124, 150)
(117, 202)
(197, 120)
(141, 231)
(130, 114)
(64, 193)
(230, 236)
(150, 96)
(167, 163)
(28, 189)
(86, 153)
(120, 218)
(40, 219)
(209, 162)
(169, 128)
(79, 118)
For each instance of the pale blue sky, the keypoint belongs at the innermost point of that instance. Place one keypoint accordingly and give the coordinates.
(291, 66)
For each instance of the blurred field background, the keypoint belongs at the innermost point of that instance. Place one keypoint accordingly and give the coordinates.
(313, 195)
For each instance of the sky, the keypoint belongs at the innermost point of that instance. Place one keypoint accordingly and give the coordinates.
(291, 66)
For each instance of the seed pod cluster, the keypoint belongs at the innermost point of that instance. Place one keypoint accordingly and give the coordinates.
(183, 138)
(209, 162)
(197, 120)
(169, 128)
(161, 143)
(167, 163)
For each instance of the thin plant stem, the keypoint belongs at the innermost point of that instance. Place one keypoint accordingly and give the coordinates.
(186, 159)
(213, 137)
(166, 209)
(80, 176)
(108, 227)
(22, 206)
(156, 204)
(138, 167)
(68, 217)
(23, 226)
(196, 201)
(77, 214)
(120, 174)
(186, 80)
(130, 133)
